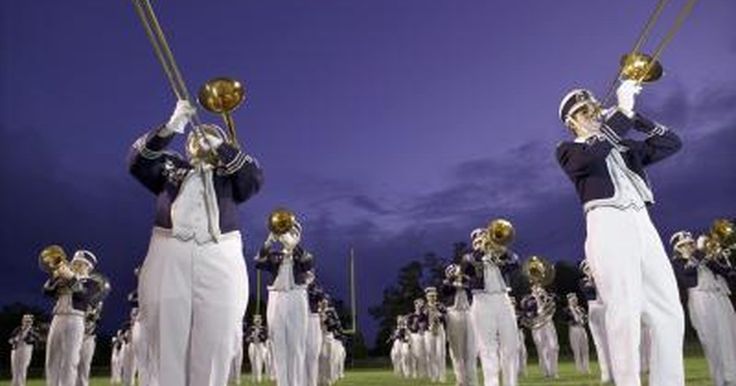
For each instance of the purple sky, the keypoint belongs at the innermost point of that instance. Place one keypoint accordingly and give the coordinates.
(392, 126)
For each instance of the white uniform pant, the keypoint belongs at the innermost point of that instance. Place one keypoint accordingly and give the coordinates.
(404, 359)
(313, 347)
(287, 328)
(523, 354)
(268, 361)
(338, 359)
(63, 346)
(434, 344)
(129, 367)
(548, 348)
(579, 344)
(325, 360)
(395, 356)
(712, 316)
(140, 348)
(597, 324)
(85, 360)
(418, 355)
(192, 301)
(494, 324)
(461, 339)
(236, 364)
(115, 366)
(635, 281)
(257, 353)
(20, 358)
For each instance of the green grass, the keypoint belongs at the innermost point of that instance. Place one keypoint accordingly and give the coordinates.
(696, 370)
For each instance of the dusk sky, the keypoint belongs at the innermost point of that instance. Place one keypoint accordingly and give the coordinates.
(392, 126)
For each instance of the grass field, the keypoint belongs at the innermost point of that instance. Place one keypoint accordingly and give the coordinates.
(696, 370)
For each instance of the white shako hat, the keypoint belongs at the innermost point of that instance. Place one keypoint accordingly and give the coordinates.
(574, 100)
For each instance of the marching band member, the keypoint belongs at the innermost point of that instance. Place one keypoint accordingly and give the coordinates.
(193, 285)
(435, 337)
(75, 292)
(400, 348)
(596, 321)
(22, 340)
(418, 324)
(492, 315)
(460, 334)
(315, 294)
(288, 308)
(576, 320)
(711, 312)
(629, 263)
(395, 340)
(539, 309)
(330, 326)
(256, 337)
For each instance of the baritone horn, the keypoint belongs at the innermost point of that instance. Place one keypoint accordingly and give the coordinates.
(538, 271)
(52, 258)
(280, 221)
(499, 234)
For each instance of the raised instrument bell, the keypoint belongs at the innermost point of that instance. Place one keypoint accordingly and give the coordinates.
(640, 67)
(222, 96)
(51, 258)
(280, 221)
(501, 232)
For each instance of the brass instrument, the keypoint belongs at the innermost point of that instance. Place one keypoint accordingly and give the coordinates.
(719, 241)
(281, 221)
(52, 258)
(497, 236)
(222, 96)
(644, 68)
(538, 271)
(219, 95)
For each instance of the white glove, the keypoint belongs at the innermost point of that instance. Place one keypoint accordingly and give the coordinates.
(183, 112)
(269, 240)
(289, 241)
(626, 94)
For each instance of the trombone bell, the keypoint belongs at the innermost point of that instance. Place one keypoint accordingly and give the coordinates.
(640, 67)
(222, 96)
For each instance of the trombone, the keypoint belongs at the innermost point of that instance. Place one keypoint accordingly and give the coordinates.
(645, 68)
(219, 95)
